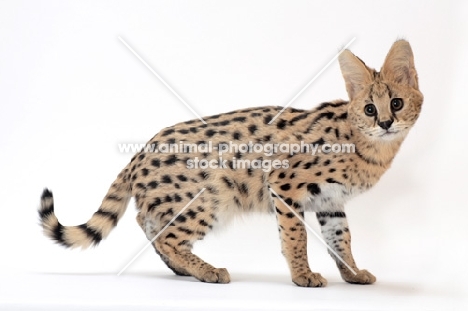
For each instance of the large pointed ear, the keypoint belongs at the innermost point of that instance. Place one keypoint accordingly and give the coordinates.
(355, 73)
(399, 65)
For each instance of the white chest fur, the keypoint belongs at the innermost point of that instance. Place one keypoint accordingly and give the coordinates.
(332, 197)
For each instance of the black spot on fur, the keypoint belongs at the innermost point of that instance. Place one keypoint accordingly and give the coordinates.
(181, 177)
(285, 187)
(298, 118)
(332, 181)
(140, 186)
(252, 128)
(204, 175)
(313, 188)
(167, 132)
(260, 195)
(177, 198)
(327, 104)
(171, 160)
(212, 190)
(281, 124)
(192, 214)
(243, 189)
(322, 115)
(239, 119)
(228, 182)
(337, 133)
(166, 179)
(203, 223)
(153, 184)
(267, 118)
(342, 116)
(210, 133)
(156, 202)
(296, 164)
(171, 236)
(237, 135)
(319, 141)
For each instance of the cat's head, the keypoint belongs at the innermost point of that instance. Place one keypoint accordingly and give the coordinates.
(383, 105)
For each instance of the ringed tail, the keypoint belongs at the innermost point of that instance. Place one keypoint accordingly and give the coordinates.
(94, 230)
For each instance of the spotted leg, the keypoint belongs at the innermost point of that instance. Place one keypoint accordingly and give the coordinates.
(336, 233)
(294, 247)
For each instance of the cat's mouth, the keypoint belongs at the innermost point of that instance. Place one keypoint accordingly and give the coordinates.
(389, 133)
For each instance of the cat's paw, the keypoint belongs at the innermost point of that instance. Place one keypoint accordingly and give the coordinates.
(310, 279)
(220, 275)
(362, 277)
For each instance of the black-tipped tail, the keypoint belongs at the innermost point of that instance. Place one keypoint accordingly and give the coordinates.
(94, 230)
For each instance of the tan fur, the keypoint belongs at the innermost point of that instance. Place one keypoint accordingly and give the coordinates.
(162, 184)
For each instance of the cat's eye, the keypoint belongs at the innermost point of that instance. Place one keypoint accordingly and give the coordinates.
(396, 104)
(370, 110)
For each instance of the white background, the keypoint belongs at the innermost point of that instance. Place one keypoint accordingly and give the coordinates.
(70, 92)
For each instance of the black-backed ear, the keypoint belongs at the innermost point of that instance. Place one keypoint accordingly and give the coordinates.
(355, 73)
(399, 65)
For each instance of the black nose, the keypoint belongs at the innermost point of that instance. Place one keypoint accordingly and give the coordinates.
(385, 124)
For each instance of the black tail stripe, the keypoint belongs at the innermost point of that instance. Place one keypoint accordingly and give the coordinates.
(58, 235)
(113, 197)
(46, 212)
(92, 233)
(110, 215)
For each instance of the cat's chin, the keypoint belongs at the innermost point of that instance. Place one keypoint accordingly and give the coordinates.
(391, 135)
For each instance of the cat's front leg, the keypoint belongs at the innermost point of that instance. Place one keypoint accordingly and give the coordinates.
(294, 245)
(336, 233)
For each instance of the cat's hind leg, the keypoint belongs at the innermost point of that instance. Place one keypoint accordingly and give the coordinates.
(174, 244)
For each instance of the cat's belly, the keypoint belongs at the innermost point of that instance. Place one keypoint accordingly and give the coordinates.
(332, 197)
